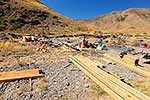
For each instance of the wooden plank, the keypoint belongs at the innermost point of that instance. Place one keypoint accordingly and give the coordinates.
(114, 79)
(129, 59)
(106, 60)
(128, 65)
(124, 94)
(14, 75)
(98, 82)
(110, 77)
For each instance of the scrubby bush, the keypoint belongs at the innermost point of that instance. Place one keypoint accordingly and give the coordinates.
(138, 35)
(2, 24)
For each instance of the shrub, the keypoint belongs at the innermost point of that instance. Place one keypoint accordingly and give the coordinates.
(2, 24)
(138, 35)
(130, 35)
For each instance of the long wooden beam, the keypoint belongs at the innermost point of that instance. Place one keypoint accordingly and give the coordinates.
(106, 60)
(14, 75)
(129, 59)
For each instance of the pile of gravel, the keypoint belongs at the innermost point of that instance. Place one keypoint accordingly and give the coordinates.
(63, 81)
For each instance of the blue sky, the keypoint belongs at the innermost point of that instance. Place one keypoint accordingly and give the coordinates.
(85, 9)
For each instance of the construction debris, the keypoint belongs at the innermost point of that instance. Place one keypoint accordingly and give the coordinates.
(147, 56)
(28, 38)
(62, 79)
(95, 43)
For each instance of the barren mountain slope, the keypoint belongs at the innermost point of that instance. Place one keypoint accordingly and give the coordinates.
(131, 20)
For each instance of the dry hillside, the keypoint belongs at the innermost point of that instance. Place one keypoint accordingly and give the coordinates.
(25, 16)
(131, 20)
(31, 16)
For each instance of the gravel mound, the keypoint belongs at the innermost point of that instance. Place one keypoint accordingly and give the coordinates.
(62, 81)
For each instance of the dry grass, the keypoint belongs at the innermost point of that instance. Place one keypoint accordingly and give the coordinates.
(143, 86)
(43, 83)
(10, 46)
(98, 90)
(23, 53)
(98, 94)
(22, 89)
(8, 53)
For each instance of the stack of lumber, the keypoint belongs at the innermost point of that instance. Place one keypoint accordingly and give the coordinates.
(113, 86)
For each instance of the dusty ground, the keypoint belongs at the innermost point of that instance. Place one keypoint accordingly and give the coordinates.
(63, 80)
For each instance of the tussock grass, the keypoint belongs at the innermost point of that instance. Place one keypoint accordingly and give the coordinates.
(143, 86)
(98, 90)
